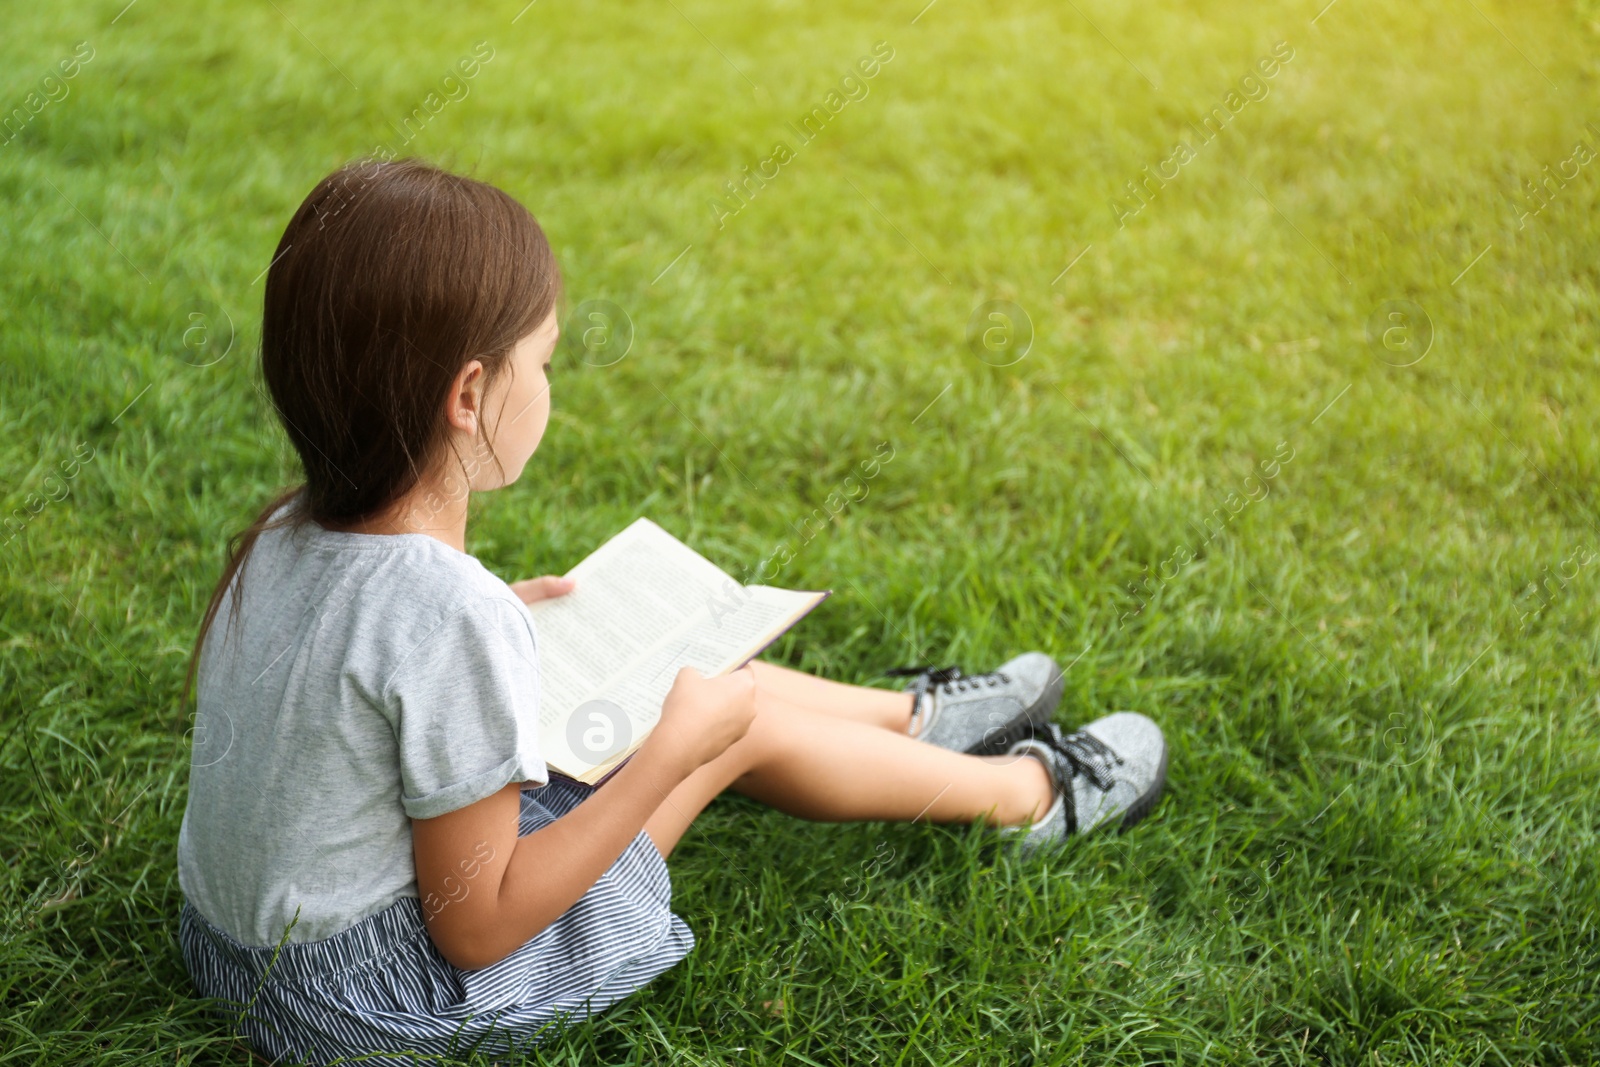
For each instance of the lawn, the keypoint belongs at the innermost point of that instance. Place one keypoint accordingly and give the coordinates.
(1263, 400)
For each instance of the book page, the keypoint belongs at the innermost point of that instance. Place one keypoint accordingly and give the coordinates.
(717, 639)
(644, 606)
(632, 592)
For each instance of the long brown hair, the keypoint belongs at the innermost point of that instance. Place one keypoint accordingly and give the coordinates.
(388, 279)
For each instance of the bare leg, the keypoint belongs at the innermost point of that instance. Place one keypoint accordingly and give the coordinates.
(887, 708)
(834, 769)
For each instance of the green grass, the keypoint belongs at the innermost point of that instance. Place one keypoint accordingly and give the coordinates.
(1379, 844)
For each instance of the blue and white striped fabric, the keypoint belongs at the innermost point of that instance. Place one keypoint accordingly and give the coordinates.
(382, 987)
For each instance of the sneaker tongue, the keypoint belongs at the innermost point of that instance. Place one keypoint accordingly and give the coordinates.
(919, 713)
(1066, 795)
(1069, 799)
(1088, 754)
(1082, 753)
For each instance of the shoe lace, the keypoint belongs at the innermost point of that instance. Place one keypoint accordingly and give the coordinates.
(950, 679)
(1085, 754)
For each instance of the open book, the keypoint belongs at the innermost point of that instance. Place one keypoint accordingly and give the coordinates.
(645, 605)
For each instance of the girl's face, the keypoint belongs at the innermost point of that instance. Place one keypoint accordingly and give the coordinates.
(517, 407)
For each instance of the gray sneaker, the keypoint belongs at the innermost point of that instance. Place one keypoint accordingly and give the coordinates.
(1112, 768)
(985, 714)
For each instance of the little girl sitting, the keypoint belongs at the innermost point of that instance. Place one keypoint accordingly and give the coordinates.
(375, 858)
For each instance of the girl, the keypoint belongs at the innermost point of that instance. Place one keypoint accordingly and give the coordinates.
(374, 857)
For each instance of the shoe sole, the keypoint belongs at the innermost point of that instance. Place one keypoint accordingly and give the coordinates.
(1147, 802)
(1023, 727)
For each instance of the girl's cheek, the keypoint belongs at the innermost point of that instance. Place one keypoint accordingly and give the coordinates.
(544, 423)
(540, 416)
(518, 445)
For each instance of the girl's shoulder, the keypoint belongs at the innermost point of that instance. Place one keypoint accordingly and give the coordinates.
(426, 561)
(377, 597)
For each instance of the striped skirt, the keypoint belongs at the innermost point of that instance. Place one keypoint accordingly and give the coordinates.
(382, 987)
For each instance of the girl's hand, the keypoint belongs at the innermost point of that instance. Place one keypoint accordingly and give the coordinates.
(534, 589)
(701, 716)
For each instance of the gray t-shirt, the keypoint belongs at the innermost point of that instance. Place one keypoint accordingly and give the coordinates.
(368, 680)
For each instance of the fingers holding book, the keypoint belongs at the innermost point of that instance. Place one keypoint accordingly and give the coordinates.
(702, 717)
(547, 587)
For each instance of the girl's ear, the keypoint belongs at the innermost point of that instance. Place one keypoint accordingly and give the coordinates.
(464, 405)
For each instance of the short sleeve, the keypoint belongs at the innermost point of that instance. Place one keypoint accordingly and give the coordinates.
(465, 709)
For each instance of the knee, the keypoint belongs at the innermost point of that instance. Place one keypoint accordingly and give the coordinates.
(764, 725)
(761, 740)
(766, 677)
(770, 688)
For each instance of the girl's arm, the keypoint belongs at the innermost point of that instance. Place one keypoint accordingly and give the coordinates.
(486, 892)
